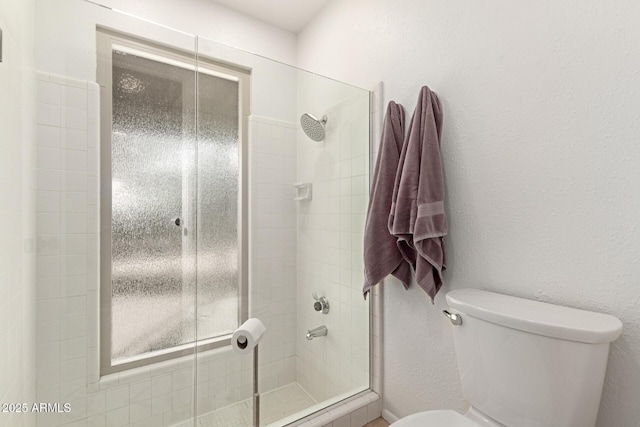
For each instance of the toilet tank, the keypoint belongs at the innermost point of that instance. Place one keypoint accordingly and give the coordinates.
(526, 363)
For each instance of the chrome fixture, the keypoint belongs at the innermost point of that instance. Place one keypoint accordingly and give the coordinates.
(320, 331)
(456, 319)
(321, 303)
(313, 127)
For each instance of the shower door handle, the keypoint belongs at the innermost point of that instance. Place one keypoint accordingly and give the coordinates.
(177, 222)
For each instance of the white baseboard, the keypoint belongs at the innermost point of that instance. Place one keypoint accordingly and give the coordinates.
(389, 416)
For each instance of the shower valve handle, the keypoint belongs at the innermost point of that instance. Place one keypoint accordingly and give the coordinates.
(321, 304)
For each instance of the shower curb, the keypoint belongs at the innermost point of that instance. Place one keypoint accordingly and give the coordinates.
(361, 409)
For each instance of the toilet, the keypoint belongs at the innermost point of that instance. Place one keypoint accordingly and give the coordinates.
(524, 363)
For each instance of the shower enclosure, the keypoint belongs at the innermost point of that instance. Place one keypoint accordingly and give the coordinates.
(195, 202)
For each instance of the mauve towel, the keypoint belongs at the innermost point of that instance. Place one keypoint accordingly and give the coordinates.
(417, 216)
(381, 254)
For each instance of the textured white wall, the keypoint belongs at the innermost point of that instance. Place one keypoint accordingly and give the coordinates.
(541, 155)
(66, 42)
(17, 210)
(65, 36)
(214, 21)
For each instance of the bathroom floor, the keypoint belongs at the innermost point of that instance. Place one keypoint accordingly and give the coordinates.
(274, 405)
(380, 422)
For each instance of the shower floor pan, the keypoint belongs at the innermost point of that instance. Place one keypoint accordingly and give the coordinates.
(274, 405)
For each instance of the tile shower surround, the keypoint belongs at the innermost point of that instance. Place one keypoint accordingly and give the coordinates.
(67, 280)
(368, 405)
(330, 253)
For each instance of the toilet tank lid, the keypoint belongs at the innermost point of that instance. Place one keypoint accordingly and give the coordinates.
(536, 317)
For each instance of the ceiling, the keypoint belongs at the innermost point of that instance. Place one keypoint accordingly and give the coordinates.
(290, 15)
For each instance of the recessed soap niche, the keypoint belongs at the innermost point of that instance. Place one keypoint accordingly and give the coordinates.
(303, 191)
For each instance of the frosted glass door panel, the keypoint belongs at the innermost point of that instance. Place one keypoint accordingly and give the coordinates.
(152, 103)
(170, 219)
(217, 234)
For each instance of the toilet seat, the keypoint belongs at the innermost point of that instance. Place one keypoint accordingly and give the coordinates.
(444, 418)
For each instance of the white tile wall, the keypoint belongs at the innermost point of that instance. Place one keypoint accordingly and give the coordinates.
(17, 211)
(351, 411)
(66, 303)
(330, 236)
(272, 172)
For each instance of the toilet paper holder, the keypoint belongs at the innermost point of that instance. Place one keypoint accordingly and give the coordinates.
(245, 339)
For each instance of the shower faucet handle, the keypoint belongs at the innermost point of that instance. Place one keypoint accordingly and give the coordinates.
(321, 304)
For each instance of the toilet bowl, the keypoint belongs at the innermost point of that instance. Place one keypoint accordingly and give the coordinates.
(444, 418)
(525, 363)
(447, 418)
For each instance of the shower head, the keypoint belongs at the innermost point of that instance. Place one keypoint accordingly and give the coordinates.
(313, 127)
